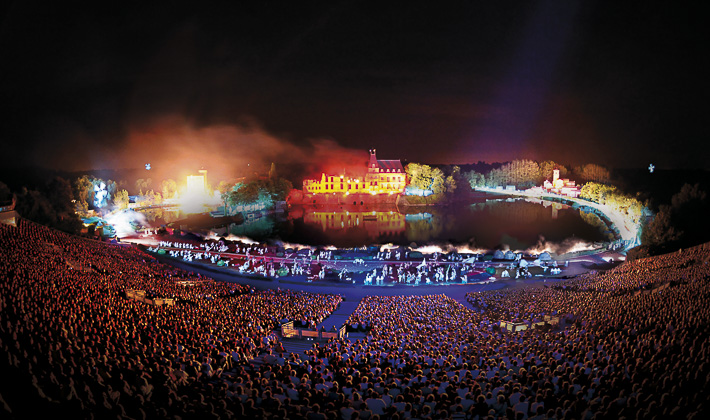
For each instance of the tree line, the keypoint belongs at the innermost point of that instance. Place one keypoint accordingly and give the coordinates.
(51, 205)
(529, 173)
(682, 223)
(261, 191)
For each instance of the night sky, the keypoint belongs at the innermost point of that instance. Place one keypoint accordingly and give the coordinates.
(622, 85)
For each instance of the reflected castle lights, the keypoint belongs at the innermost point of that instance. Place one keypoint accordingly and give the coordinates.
(375, 223)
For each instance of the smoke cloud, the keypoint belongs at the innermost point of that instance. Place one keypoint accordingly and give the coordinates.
(559, 248)
(175, 149)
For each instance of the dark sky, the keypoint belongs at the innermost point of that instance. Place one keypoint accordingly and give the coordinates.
(622, 85)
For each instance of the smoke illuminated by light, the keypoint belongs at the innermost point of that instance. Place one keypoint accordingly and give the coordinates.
(567, 246)
(193, 202)
(234, 238)
(100, 195)
(124, 222)
(439, 249)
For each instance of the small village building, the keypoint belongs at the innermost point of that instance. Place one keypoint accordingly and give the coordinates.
(561, 186)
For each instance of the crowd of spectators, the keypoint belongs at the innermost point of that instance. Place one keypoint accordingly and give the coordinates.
(636, 348)
(77, 345)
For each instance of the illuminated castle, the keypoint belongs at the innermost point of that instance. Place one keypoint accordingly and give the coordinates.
(383, 177)
(561, 186)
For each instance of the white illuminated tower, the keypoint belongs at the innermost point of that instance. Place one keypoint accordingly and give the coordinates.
(197, 184)
(203, 172)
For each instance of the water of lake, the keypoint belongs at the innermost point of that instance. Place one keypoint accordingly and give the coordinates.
(488, 223)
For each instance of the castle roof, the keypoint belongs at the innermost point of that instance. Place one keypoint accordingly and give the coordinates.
(394, 165)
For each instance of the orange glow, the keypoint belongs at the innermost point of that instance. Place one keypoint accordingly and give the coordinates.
(195, 197)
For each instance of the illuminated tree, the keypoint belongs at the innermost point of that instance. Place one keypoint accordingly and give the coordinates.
(224, 187)
(169, 188)
(475, 179)
(546, 169)
(592, 172)
(521, 173)
(143, 185)
(121, 199)
(150, 198)
(83, 190)
(599, 193)
(426, 178)
(450, 184)
(265, 192)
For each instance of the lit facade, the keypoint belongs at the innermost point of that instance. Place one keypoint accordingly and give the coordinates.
(383, 177)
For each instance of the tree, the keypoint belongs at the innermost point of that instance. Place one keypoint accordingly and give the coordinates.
(599, 193)
(546, 168)
(36, 207)
(475, 179)
(52, 206)
(121, 199)
(60, 196)
(265, 192)
(280, 188)
(150, 198)
(660, 232)
(592, 172)
(224, 187)
(83, 191)
(683, 223)
(450, 184)
(426, 178)
(168, 188)
(496, 177)
(5, 193)
(452, 181)
(143, 185)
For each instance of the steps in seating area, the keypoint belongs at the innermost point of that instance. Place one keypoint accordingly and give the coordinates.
(339, 316)
(336, 319)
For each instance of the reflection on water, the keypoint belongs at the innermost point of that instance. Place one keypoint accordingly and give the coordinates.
(374, 222)
(516, 223)
(163, 215)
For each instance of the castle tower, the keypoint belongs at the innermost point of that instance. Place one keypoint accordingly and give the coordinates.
(203, 172)
(373, 161)
(555, 175)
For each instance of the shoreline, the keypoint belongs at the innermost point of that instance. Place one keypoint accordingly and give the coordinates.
(628, 235)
